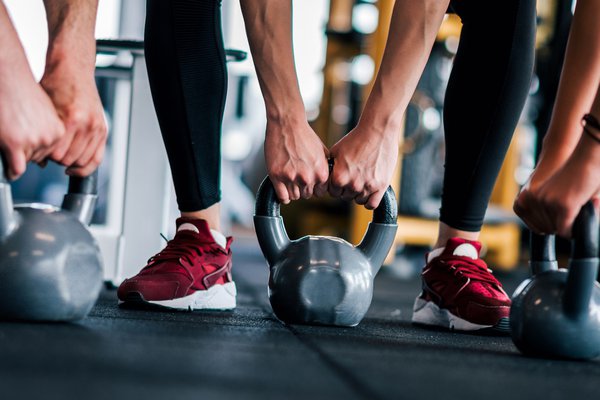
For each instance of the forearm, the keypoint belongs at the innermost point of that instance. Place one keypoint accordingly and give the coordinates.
(71, 25)
(579, 79)
(269, 30)
(13, 61)
(413, 29)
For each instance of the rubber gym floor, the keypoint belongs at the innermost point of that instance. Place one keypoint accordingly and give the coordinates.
(245, 354)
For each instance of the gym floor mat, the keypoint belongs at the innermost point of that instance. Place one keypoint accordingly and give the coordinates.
(247, 354)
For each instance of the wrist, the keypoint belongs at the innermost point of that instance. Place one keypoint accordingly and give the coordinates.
(383, 126)
(61, 57)
(286, 117)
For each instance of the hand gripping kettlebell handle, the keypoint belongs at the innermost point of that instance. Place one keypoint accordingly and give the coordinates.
(583, 266)
(81, 197)
(273, 237)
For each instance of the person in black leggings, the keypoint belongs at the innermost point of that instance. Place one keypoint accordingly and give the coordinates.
(486, 92)
(485, 96)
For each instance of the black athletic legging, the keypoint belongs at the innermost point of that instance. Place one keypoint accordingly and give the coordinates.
(486, 93)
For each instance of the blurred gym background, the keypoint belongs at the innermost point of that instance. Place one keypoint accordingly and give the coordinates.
(338, 44)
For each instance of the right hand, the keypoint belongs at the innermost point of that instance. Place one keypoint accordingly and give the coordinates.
(29, 126)
(296, 161)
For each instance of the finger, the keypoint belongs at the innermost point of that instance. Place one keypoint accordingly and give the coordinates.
(362, 198)
(306, 191)
(16, 163)
(39, 156)
(336, 187)
(282, 192)
(348, 194)
(78, 145)
(88, 152)
(562, 219)
(293, 191)
(320, 189)
(374, 200)
(60, 149)
(532, 213)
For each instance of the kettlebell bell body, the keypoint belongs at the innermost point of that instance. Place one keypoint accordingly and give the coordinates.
(539, 330)
(50, 264)
(556, 313)
(50, 268)
(321, 280)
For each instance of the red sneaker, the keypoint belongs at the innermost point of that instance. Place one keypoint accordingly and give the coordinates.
(191, 272)
(459, 291)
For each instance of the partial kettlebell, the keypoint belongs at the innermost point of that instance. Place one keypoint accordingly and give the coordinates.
(321, 280)
(556, 313)
(50, 264)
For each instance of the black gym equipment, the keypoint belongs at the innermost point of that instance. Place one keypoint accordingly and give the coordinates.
(556, 313)
(50, 264)
(322, 280)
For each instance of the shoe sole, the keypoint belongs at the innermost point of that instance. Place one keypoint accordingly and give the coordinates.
(429, 314)
(217, 297)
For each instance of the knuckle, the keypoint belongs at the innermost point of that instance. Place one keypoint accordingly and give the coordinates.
(96, 159)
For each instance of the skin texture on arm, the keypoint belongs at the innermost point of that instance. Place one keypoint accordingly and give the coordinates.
(568, 172)
(29, 125)
(69, 81)
(553, 206)
(366, 157)
(295, 156)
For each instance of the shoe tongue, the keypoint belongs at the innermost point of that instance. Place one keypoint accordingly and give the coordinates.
(463, 248)
(198, 226)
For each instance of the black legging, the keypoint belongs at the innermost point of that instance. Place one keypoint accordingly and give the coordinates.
(486, 93)
(484, 99)
(186, 66)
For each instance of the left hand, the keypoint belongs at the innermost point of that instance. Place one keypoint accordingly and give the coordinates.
(75, 97)
(553, 206)
(364, 162)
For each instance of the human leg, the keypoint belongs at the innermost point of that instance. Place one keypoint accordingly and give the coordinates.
(486, 93)
(186, 67)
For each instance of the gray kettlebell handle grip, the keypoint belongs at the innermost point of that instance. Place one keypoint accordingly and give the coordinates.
(81, 197)
(543, 253)
(584, 263)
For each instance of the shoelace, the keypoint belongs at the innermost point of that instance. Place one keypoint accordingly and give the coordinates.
(181, 248)
(474, 269)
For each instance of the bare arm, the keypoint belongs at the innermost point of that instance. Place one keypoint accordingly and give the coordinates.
(69, 81)
(553, 206)
(29, 125)
(296, 158)
(568, 172)
(579, 80)
(366, 157)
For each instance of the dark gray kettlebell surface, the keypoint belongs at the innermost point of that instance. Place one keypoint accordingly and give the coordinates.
(120, 353)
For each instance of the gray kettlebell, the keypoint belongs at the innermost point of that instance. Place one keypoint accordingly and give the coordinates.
(321, 280)
(50, 264)
(556, 313)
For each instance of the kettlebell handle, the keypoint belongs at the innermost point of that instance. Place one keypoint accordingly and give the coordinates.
(81, 197)
(268, 205)
(583, 266)
(543, 253)
(273, 238)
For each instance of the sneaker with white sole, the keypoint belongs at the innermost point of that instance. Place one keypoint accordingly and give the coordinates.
(459, 291)
(192, 272)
